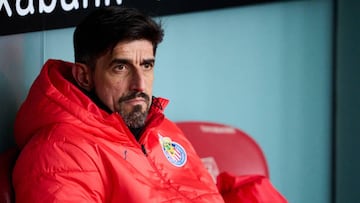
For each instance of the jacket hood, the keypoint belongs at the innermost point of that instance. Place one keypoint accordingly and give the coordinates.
(54, 98)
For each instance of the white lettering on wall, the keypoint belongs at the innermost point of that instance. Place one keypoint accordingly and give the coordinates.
(85, 3)
(46, 8)
(119, 2)
(107, 2)
(217, 129)
(25, 11)
(68, 7)
(97, 3)
(7, 7)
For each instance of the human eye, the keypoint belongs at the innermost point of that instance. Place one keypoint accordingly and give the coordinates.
(148, 65)
(120, 67)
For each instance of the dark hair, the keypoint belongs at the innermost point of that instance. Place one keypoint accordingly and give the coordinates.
(104, 28)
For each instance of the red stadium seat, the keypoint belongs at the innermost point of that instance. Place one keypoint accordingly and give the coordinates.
(233, 150)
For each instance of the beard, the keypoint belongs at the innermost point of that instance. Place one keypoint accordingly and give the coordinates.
(136, 117)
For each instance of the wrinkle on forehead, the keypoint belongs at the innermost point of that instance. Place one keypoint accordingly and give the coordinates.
(135, 51)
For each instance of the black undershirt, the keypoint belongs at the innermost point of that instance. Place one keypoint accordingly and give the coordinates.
(136, 132)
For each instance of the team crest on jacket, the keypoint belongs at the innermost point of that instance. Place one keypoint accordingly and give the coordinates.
(173, 151)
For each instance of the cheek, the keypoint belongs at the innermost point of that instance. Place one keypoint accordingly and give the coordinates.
(119, 89)
(109, 91)
(149, 83)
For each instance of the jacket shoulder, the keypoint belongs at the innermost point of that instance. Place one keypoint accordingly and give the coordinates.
(56, 162)
(58, 148)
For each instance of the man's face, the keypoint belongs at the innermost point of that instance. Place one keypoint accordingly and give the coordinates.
(123, 80)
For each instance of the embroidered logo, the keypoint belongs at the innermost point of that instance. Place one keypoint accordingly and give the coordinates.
(173, 151)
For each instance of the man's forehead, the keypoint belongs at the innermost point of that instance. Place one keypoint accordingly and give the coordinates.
(135, 45)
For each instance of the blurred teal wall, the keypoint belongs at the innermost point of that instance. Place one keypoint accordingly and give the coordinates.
(264, 68)
(348, 102)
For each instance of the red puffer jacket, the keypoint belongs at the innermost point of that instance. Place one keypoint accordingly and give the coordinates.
(72, 151)
(248, 189)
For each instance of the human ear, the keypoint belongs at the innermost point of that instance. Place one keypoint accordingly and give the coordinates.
(83, 76)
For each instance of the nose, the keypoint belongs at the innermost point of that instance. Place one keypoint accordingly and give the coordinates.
(138, 81)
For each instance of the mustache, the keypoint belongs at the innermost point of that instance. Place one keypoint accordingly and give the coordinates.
(134, 95)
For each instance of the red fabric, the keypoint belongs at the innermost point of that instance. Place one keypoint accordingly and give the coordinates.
(7, 161)
(248, 189)
(72, 151)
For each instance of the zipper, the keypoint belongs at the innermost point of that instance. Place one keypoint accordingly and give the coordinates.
(157, 171)
(141, 145)
(143, 149)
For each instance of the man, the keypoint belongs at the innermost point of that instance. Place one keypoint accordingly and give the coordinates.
(93, 132)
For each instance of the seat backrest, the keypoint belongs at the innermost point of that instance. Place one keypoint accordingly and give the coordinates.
(232, 149)
(7, 161)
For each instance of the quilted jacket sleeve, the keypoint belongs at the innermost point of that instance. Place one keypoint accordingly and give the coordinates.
(248, 189)
(56, 170)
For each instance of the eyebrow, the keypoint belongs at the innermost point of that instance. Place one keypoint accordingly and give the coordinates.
(127, 61)
(147, 61)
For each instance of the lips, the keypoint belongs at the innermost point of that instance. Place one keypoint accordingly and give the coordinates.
(135, 96)
(137, 100)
